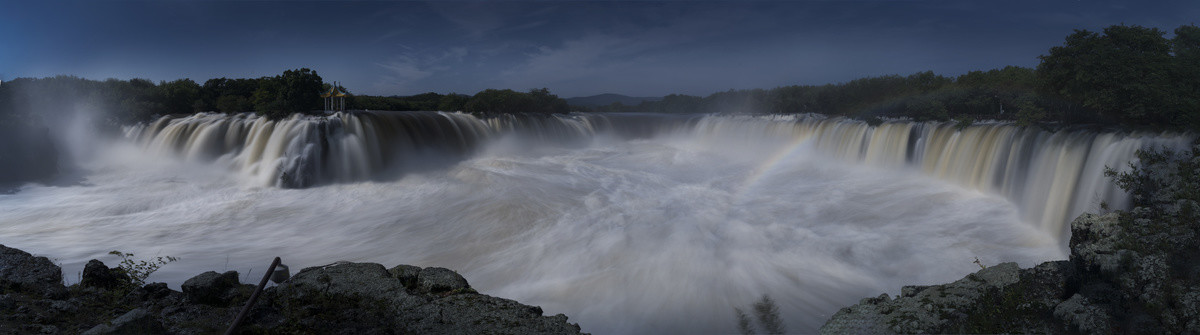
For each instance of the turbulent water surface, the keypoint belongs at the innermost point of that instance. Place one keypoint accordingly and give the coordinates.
(626, 223)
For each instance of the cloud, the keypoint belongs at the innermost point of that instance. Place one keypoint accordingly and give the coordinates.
(575, 58)
(402, 72)
(628, 51)
(408, 70)
(476, 20)
(405, 68)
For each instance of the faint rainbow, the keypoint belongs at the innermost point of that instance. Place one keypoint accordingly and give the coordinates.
(773, 163)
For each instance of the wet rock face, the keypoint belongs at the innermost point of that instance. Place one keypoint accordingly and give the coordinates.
(1125, 274)
(20, 271)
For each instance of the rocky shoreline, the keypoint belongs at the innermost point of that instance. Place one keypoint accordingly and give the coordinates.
(1126, 274)
(352, 298)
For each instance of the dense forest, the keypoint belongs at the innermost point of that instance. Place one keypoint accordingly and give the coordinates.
(126, 101)
(1127, 75)
(30, 100)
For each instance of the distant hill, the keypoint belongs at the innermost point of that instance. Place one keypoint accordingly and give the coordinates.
(608, 99)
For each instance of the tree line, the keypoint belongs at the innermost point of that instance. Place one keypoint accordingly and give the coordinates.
(489, 101)
(135, 100)
(1129, 75)
(294, 91)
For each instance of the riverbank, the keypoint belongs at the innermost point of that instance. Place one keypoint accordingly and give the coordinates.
(360, 298)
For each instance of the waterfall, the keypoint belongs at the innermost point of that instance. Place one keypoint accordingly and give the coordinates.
(304, 151)
(1052, 176)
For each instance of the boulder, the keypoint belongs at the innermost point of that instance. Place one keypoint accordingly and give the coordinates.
(1094, 243)
(152, 292)
(407, 274)
(437, 280)
(210, 287)
(96, 274)
(21, 272)
(351, 280)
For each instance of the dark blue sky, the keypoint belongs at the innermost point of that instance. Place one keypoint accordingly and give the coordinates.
(574, 48)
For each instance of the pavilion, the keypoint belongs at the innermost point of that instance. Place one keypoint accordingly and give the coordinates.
(335, 99)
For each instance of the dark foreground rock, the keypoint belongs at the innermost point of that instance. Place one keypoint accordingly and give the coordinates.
(342, 298)
(20, 271)
(1124, 276)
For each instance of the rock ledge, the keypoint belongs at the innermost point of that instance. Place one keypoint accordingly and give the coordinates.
(1124, 275)
(359, 298)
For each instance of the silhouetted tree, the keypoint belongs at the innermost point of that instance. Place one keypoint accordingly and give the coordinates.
(1186, 75)
(1120, 74)
(234, 104)
(179, 96)
(453, 102)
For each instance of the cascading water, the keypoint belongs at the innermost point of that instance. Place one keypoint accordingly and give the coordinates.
(1052, 177)
(303, 151)
(628, 223)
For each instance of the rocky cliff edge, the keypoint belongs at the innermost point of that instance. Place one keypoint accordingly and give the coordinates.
(1124, 275)
(344, 298)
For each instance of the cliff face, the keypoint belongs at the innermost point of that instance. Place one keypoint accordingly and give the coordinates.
(1125, 275)
(352, 298)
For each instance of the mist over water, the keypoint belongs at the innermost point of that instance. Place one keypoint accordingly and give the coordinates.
(645, 225)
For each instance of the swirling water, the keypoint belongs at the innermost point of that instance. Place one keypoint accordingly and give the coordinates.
(626, 223)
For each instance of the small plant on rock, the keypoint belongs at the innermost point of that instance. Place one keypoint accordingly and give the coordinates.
(767, 314)
(139, 270)
(961, 122)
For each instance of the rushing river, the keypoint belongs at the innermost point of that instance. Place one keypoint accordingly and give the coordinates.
(626, 223)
